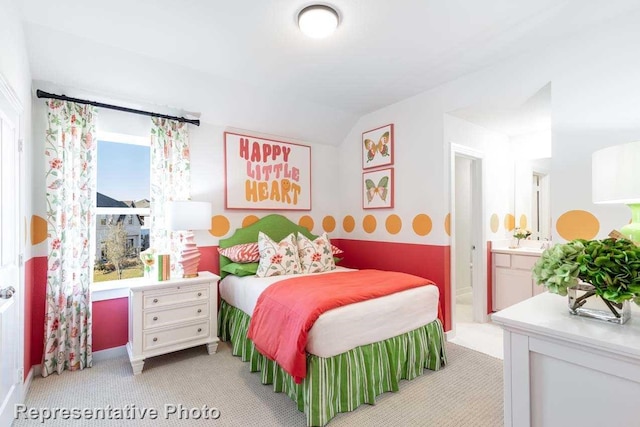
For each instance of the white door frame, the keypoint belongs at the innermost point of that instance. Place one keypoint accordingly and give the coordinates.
(12, 107)
(479, 257)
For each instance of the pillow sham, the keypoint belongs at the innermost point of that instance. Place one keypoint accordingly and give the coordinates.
(336, 250)
(243, 253)
(278, 258)
(315, 256)
(237, 269)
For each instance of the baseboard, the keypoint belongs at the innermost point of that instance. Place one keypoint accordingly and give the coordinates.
(37, 370)
(449, 335)
(109, 353)
(26, 385)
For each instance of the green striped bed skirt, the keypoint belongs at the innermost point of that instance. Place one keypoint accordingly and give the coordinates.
(343, 382)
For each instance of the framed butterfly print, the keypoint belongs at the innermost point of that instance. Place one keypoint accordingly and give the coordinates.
(377, 189)
(377, 147)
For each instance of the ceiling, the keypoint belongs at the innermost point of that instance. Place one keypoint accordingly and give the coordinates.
(533, 115)
(246, 62)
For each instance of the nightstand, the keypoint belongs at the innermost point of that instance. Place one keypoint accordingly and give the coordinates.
(172, 315)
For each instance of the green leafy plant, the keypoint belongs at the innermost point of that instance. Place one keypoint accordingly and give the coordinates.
(611, 266)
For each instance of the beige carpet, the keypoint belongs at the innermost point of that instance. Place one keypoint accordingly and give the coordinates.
(467, 392)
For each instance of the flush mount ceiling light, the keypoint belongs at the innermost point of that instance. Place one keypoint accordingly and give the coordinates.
(318, 21)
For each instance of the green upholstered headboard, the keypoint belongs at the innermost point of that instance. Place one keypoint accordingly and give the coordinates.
(275, 226)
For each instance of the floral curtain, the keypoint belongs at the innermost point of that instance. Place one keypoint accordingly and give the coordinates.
(170, 180)
(70, 153)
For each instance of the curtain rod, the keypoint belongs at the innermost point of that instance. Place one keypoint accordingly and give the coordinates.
(42, 94)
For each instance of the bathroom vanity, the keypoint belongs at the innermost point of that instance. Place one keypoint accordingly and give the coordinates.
(512, 280)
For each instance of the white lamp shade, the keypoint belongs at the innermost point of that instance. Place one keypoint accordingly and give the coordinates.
(318, 21)
(189, 215)
(616, 174)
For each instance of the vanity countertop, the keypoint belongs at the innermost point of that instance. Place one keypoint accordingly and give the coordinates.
(527, 247)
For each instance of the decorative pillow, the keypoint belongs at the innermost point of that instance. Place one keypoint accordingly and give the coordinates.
(336, 250)
(315, 256)
(278, 258)
(247, 269)
(246, 252)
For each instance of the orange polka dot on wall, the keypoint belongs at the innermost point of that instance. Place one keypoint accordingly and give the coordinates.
(220, 225)
(577, 224)
(523, 221)
(447, 224)
(348, 223)
(494, 223)
(38, 229)
(369, 223)
(393, 224)
(328, 223)
(422, 224)
(509, 222)
(248, 220)
(306, 222)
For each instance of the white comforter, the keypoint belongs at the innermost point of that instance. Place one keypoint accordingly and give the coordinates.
(350, 326)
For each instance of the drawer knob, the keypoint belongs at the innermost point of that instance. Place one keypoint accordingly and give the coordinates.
(155, 300)
(155, 339)
(155, 318)
(199, 310)
(199, 294)
(199, 329)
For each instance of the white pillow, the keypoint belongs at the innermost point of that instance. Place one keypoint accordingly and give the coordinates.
(315, 256)
(279, 258)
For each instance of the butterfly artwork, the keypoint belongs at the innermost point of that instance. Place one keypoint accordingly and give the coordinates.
(378, 189)
(381, 147)
(377, 147)
(381, 190)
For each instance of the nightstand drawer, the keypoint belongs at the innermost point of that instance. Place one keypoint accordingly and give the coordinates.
(175, 336)
(170, 316)
(174, 296)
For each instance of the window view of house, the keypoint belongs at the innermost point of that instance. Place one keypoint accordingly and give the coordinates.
(122, 210)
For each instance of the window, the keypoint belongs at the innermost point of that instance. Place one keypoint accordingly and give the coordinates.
(122, 203)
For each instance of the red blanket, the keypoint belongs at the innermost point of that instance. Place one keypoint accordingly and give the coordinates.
(286, 310)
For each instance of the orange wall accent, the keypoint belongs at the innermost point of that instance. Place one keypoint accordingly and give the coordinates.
(248, 220)
(577, 224)
(38, 229)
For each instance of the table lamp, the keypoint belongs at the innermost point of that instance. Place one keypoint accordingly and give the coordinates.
(186, 216)
(616, 179)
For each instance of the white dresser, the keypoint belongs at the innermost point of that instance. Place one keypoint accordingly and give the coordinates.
(172, 315)
(565, 370)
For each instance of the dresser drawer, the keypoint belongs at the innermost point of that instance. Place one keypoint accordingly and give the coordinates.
(177, 335)
(172, 296)
(169, 316)
(523, 262)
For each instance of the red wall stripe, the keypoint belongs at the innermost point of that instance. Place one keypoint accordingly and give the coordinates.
(110, 320)
(489, 279)
(110, 317)
(429, 261)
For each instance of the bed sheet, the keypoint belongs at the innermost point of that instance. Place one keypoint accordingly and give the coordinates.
(347, 327)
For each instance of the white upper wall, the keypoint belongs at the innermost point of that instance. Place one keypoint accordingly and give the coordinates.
(595, 88)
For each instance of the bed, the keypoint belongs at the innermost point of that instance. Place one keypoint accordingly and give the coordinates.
(353, 353)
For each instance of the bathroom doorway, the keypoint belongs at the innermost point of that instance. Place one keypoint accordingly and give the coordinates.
(468, 254)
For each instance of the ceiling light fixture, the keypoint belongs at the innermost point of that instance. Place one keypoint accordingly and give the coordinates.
(318, 21)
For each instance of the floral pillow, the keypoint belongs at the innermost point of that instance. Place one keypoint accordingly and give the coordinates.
(277, 258)
(315, 256)
(243, 253)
